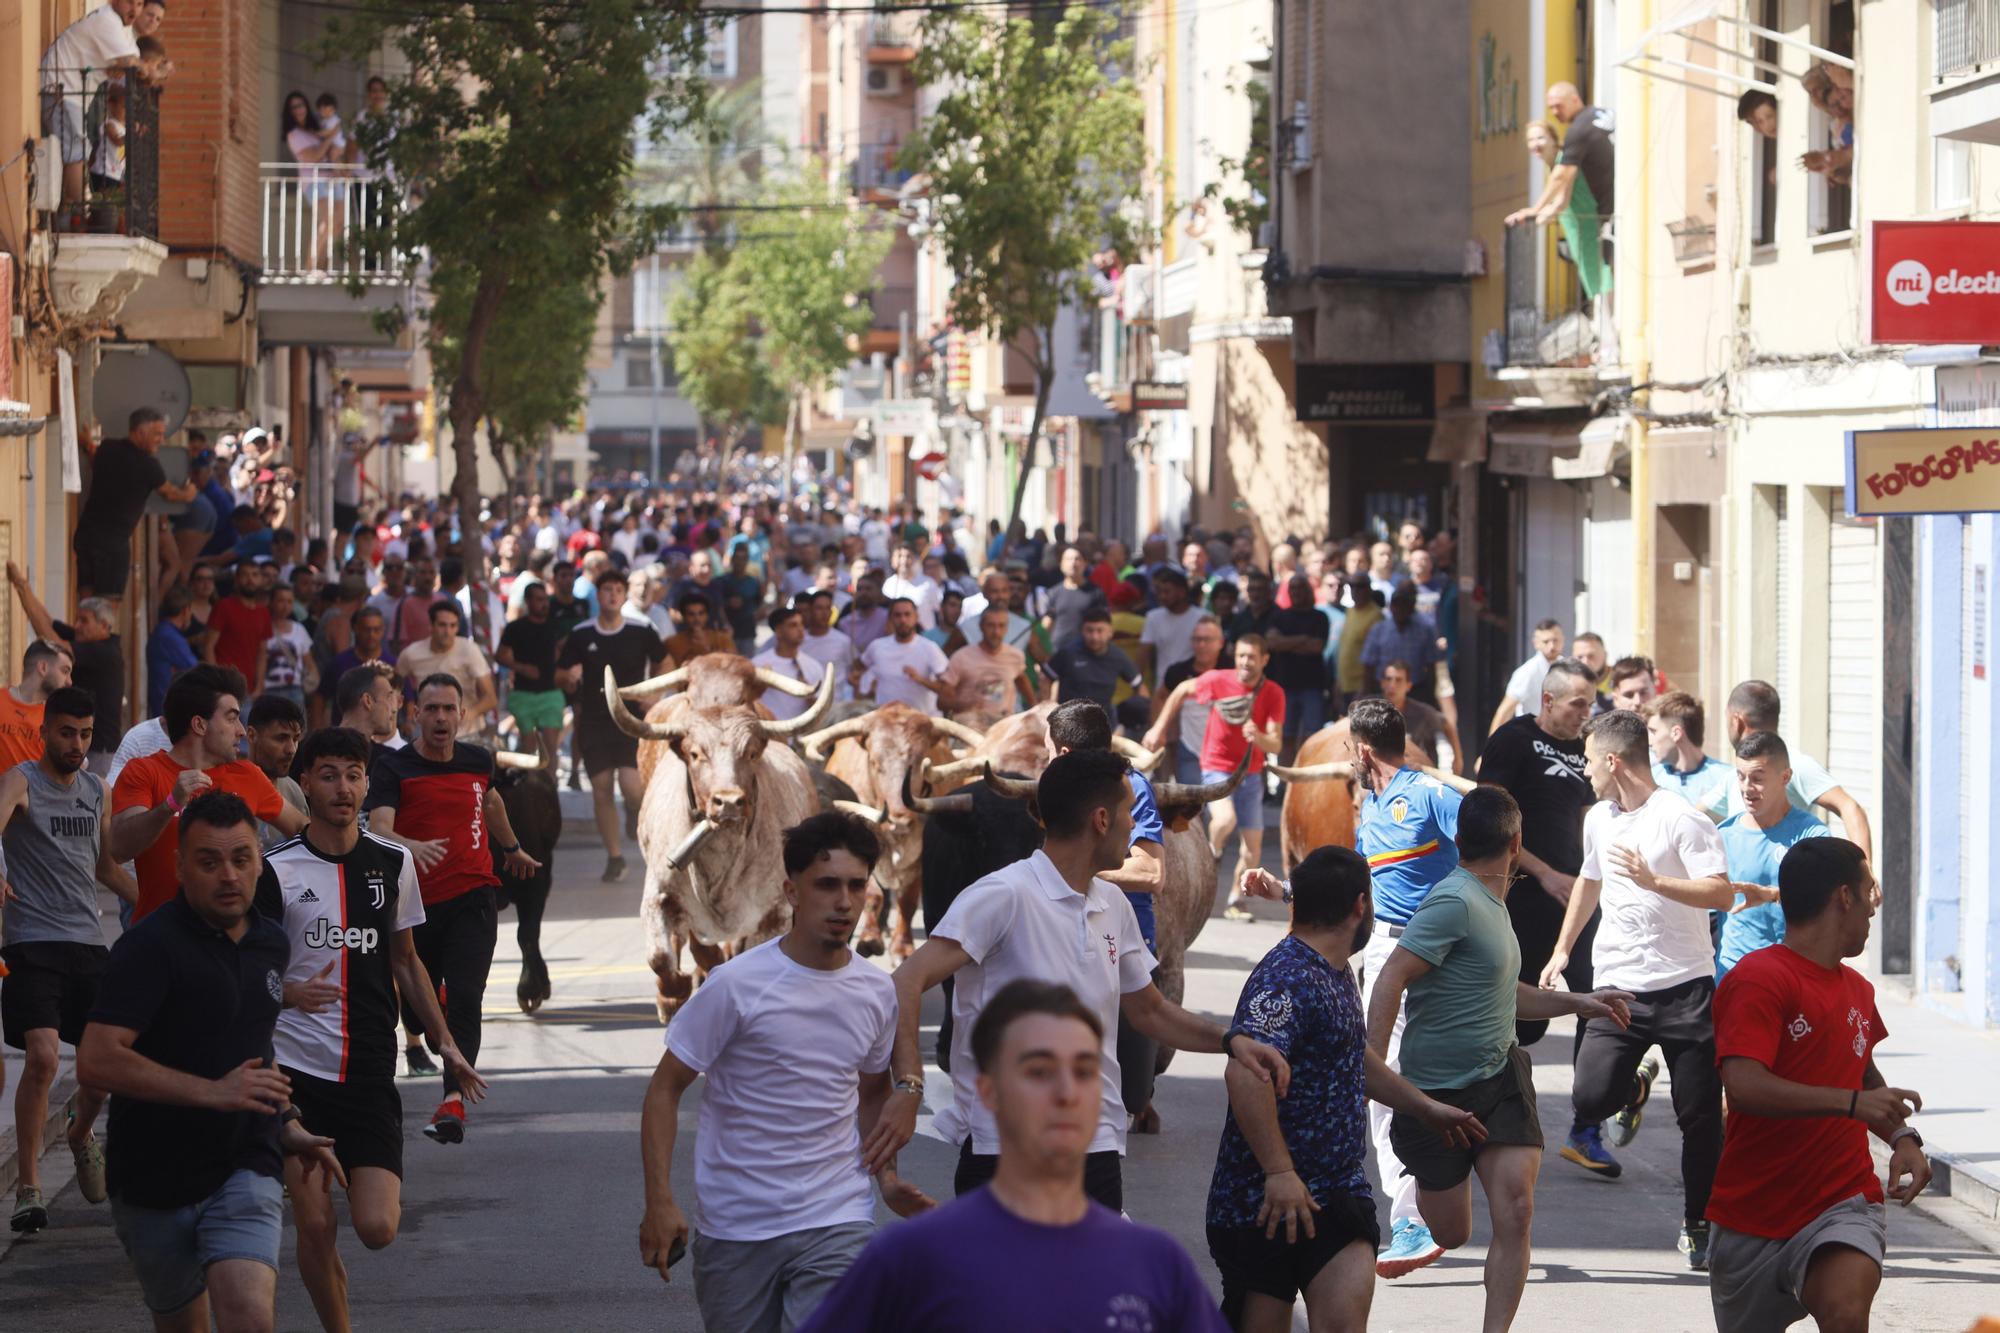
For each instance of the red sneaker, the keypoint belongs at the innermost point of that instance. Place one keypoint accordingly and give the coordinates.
(447, 1122)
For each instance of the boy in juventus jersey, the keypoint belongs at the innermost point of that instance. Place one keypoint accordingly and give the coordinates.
(348, 900)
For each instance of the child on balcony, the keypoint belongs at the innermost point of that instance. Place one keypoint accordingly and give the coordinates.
(107, 164)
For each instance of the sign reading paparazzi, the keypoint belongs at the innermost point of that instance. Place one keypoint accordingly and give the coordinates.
(1936, 282)
(1915, 471)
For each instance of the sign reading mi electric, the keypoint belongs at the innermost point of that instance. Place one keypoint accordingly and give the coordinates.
(1917, 471)
(1936, 282)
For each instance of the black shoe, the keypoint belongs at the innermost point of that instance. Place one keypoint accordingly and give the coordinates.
(419, 1061)
(614, 869)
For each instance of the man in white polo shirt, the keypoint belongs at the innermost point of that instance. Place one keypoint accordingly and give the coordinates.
(1048, 918)
(1659, 866)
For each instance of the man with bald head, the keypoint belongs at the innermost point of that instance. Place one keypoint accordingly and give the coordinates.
(1578, 193)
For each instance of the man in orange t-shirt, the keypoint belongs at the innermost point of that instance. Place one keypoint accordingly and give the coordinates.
(203, 717)
(45, 668)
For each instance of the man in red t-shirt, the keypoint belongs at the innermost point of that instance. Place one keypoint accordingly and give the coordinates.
(1256, 723)
(436, 797)
(1796, 1214)
(241, 622)
(203, 717)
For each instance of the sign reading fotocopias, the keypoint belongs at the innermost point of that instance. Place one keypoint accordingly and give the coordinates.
(1915, 471)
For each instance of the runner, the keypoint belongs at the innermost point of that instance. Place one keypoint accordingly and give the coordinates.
(448, 651)
(1461, 966)
(528, 648)
(901, 666)
(436, 797)
(797, 1027)
(1024, 922)
(271, 731)
(204, 723)
(1406, 827)
(347, 901)
(1755, 841)
(45, 668)
(1296, 1163)
(1659, 867)
(1047, 1256)
(606, 754)
(1797, 1211)
(180, 1037)
(1754, 706)
(1675, 728)
(785, 657)
(52, 812)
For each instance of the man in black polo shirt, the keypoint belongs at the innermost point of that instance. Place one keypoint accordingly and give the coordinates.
(200, 1116)
(1090, 666)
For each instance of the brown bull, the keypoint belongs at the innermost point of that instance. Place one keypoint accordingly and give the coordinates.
(1322, 802)
(1020, 744)
(710, 828)
(709, 682)
(878, 754)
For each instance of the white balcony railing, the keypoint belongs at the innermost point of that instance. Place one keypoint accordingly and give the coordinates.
(1968, 35)
(317, 223)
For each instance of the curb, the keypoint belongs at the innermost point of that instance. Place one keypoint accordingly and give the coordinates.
(1969, 1185)
(61, 1098)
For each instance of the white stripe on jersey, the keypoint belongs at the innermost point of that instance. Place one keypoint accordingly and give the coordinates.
(351, 925)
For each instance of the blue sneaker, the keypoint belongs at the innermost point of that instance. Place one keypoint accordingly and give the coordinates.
(1410, 1248)
(1586, 1148)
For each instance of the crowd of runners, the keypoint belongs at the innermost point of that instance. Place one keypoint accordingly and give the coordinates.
(309, 852)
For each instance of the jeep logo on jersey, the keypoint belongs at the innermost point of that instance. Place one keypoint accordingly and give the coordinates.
(325, 935)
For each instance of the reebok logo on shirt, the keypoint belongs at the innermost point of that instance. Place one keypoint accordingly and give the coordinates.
(324, 935)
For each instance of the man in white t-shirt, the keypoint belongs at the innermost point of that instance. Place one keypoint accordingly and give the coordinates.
(795, 1037)
(1753, 706)
(825, 644)
(73, 69)
(1659, 868)
(1049, 918)
(902, 666)
(1169, 633)
(1524, 687)
(785, 658)
(907, 579)
(875, 538)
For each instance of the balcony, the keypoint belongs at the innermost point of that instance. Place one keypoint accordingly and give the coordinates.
(890, 304)
(875, 172)
(323, 230)
(1965, 88)
(1554, 335)
(892, 38)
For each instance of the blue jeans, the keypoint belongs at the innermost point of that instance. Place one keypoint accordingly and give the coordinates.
(1187, 765)
(171, 1248)
(1305, 712)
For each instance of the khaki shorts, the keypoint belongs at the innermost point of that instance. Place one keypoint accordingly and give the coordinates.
(1755, 1282)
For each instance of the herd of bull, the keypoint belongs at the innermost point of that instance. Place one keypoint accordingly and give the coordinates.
(950, 804)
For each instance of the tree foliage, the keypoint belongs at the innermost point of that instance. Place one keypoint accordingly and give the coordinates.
(721, 370)
(1034, 157)
(1243, 183)
(513, 132)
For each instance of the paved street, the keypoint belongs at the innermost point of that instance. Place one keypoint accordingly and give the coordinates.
(532, 1224)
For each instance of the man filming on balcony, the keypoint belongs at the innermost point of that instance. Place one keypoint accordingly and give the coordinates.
(74, 67)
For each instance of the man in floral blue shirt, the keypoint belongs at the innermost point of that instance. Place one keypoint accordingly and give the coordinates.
(1289, 1208)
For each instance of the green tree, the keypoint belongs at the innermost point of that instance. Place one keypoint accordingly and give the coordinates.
(1034, 156)
(713, 332)
(514, 127)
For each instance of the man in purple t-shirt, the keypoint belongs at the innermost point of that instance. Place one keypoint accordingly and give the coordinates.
(1049, 1256)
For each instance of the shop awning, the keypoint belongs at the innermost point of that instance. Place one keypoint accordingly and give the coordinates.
(1458, 436)
(1601, 443)
(1651, 55)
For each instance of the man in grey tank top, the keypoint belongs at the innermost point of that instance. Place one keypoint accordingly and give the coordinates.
(51, 824)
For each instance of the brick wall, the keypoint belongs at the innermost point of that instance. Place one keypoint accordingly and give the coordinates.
(209, 192)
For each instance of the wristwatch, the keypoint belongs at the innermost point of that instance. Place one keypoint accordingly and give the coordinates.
(1285, 886)
(910, 1083)
(1906, 1132)
(507, 851)
(1230, 1036)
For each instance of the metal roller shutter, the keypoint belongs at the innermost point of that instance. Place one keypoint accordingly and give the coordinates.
(1854, 663)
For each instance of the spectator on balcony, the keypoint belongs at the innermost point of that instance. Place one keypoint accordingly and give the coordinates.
(73, 69)
(1831, 89)
(154, 69)
(124, 474)
(1578, 193)
(311, 145)
(107, 165)
(1759, 110)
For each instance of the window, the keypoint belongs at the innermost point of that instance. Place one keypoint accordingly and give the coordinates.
(1951, 174)
(1764, 150)
(1830, 198)
(639, 368)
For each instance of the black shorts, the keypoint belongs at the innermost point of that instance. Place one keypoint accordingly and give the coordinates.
(1504, 1103)
(363, 1117)
(1280, 1269)
(49, 984)
(102, 566)
(601, 746)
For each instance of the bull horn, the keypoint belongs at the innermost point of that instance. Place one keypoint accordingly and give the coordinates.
(860, 811)
(957, 769)
(684, 850)
(631, 723)
(515, 759)
(806, 720)
(930, 805)
(1141, 758)
(673, 680)
(958, 731)
(1014, 789)
(798, 689)
(1192, 793)
(815, 745)
(1312, 772)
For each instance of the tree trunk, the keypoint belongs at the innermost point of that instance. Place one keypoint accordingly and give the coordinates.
(499, 448)
(1045, 379)
(468, 405)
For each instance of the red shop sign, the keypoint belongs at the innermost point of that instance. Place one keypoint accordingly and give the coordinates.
(1935, 282)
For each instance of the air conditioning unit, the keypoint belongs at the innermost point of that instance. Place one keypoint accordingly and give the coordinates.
(885, 80)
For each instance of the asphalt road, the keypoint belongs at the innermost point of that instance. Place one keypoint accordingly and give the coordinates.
(532, 1224)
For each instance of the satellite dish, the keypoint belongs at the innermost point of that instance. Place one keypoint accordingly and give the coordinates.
(131, 377)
